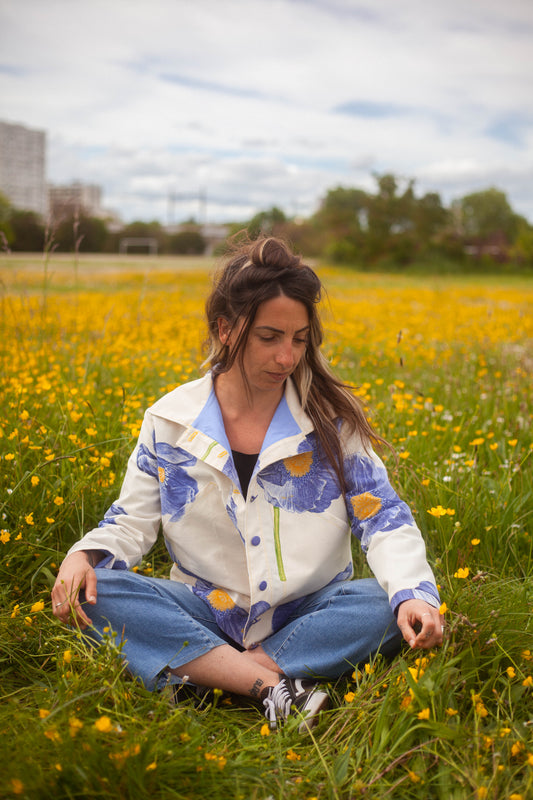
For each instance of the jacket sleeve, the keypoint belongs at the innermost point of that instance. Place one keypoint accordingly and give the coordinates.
(384, 525)
(131, 525)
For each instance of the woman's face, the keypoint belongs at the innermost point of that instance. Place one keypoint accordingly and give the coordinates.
(276, 343)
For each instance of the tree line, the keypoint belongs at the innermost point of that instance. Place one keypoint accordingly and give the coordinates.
(390, 227)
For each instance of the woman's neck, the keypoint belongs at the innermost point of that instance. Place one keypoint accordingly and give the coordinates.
(246, 415)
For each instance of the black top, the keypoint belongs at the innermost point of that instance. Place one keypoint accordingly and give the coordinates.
(244, 464)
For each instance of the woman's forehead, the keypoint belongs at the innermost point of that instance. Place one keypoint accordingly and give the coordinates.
(278, 312)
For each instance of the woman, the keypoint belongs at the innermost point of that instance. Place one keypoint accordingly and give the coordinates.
(257, 473)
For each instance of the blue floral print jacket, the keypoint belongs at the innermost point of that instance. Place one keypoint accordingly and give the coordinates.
(253, 560)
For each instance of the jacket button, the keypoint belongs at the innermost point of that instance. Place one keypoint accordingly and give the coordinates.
(263, 585)
(255, 540)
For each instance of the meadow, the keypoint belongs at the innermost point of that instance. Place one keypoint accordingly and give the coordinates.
(444, 367)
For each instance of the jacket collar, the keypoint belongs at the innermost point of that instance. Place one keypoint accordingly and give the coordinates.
(203, 433)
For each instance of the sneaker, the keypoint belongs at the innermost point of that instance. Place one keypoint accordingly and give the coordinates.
(298, 693)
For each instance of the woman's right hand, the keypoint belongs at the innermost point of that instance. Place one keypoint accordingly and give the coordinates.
(76, 572)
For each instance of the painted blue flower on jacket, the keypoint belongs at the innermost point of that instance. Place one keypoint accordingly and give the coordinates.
(231, 508)
(372, 503)
(169, 465)
(230, 617)
(112, 512)
(300, 483)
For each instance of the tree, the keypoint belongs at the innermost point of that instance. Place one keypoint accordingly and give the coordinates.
(189, 242)
(266, 222)
(28, 231)
(522, 249)
(342, 220)
(487, 214)
(6, 232)
(430, 217)
(391, 221)
(87, 234)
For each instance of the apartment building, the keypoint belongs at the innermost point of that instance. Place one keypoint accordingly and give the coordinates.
(23, 167)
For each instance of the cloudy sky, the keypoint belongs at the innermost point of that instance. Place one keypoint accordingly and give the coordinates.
(232, 106)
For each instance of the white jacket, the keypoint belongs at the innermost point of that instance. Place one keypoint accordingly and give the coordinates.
(254, 559)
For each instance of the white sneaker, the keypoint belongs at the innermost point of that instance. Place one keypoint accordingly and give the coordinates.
(295, 693)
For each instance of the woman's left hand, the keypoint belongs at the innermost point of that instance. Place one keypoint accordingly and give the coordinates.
(421, 624)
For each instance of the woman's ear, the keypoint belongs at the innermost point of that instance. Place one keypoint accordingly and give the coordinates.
(224, 329)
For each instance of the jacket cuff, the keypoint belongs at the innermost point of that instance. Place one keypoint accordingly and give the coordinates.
(110, 562)
(424, 591)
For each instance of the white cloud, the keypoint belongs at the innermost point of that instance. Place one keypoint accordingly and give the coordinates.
(239, 98)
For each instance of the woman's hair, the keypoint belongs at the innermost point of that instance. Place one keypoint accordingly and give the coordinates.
(260, 270)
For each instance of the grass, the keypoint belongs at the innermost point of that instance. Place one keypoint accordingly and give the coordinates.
(444, 365)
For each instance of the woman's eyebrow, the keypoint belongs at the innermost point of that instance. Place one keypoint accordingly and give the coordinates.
(278, 330)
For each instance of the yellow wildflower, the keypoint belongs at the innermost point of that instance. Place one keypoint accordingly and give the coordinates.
(38, 606)
(349, 697)
(265, 730)
(74, 725)
(424, 714)
(480, 709)
(292, 756)
(103, 724)
(437, 511)
(462, 572)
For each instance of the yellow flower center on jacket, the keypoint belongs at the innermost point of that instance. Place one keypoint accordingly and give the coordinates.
(299, 465)
(161, 473)
(220, 600)
(365, 505)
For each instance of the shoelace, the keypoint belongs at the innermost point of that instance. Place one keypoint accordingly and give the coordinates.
(278, 703)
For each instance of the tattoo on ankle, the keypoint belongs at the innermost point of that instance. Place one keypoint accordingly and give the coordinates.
(254, 691)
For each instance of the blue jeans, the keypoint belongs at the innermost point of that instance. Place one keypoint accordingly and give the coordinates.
(163, 626)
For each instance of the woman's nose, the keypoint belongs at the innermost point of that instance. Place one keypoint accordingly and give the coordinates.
(285, 354)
